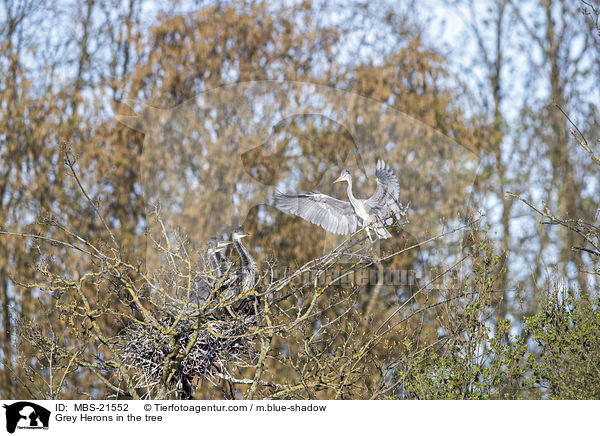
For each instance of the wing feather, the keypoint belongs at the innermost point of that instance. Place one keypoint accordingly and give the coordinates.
(335, 216)
(384, 202)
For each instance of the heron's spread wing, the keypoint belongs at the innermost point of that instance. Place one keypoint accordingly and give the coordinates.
(335, 216)
(384, 202)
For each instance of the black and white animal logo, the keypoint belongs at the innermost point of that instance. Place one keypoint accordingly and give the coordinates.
(25, 414)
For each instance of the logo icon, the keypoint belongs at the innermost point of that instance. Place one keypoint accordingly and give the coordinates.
(26, 415)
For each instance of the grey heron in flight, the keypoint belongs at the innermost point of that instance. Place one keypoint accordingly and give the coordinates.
(343, 217)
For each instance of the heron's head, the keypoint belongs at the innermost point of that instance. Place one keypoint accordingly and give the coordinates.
(344, 177)
(222, 245)
(215, 245)
(212, 244)
(238, 234)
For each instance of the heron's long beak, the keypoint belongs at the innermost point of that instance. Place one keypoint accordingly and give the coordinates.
(243, 235)
(223, 245)
(339, 179)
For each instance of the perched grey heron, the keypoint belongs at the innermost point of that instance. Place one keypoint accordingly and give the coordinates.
(248, 266)
(217, 264)
(343, 217)
(246, 280)
(216, 260)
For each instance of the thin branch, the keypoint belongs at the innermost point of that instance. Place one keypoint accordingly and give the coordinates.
(71, 164)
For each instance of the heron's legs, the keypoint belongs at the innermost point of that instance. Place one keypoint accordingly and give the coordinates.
(377, 239)
(368, 230)
(369, 233)
(373, 240)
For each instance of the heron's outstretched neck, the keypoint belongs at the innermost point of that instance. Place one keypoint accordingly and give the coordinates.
(248, 267)
(350, 194)
(246, 258)
(215, 264)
